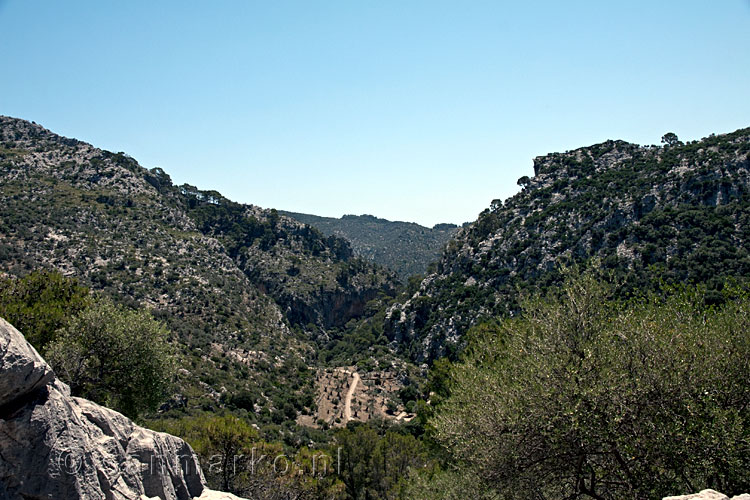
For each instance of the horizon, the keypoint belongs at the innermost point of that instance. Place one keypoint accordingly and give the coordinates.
(419, 113)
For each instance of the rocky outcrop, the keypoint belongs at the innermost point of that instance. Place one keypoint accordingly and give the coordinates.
(55, 446)
(708, 495)
(650, 215)
(23, 370)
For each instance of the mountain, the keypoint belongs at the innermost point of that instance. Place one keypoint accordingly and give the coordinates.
(246, 291)
(679, 213)
(284, 335)
(405, 247)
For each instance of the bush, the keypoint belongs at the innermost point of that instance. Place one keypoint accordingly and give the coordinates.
(586, 398)
(40, 303)
(115, 356)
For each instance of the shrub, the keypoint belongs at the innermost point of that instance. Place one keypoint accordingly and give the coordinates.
(115, 356)
(40, 303)
(583, 397)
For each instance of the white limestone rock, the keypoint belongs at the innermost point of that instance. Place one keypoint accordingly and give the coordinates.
(54, 446)
(708, 495)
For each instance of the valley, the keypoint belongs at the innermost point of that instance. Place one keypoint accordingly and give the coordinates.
(302, 334)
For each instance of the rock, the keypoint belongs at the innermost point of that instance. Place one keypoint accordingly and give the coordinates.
(23, 368)
(703, 495)
(54, 446)
(708, 495)
(216, 495)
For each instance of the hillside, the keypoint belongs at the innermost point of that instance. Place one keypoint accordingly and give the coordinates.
(678, 213)
(285, 335)
(244, 290)
(404, 247)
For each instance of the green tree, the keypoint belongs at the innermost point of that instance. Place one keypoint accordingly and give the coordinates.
(373, 466)
(434, 482)
(394, 456)
(41, 303)
(523, 182)
(356, 447)
(223, 443)
(236, 460)
(670, 139)
(115, 356)
(225, 438)
(582, 397)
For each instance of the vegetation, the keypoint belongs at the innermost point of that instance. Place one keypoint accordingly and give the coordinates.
(405, 247)
(585, 397)
(118, 357)
(40, 304)
(362, 461)
(111, 354)
(377, 466)
(235, 459)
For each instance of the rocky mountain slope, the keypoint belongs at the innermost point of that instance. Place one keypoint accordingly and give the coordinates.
(405, 247)
(678, 213)
(242, 288)
(53, 445)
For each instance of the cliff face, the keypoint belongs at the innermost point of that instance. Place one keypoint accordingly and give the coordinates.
(678, 212)
(56, 446)
(314, 279)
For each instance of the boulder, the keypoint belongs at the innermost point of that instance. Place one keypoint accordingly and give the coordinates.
(708, 495)
(216, 495)
(55, 446)
(23, 369)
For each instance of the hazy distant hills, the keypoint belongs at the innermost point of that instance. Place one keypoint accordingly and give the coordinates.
(404, 247)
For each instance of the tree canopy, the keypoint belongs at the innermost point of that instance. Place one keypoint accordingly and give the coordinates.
(41, 303)
(583, 397)
(115, 356)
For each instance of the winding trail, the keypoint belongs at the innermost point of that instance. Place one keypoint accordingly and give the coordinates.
(349, 395)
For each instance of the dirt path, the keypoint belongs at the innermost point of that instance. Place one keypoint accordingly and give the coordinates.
(349, 395)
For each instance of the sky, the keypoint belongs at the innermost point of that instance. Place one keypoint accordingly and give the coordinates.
(421, 111)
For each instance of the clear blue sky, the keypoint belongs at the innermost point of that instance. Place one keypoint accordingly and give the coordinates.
(410, 110)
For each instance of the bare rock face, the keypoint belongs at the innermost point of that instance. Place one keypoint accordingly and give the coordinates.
(22, 368)
(55, 446)
(708, 495)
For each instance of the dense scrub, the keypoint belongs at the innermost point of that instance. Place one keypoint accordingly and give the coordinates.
(583, 396)
(405, 247)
